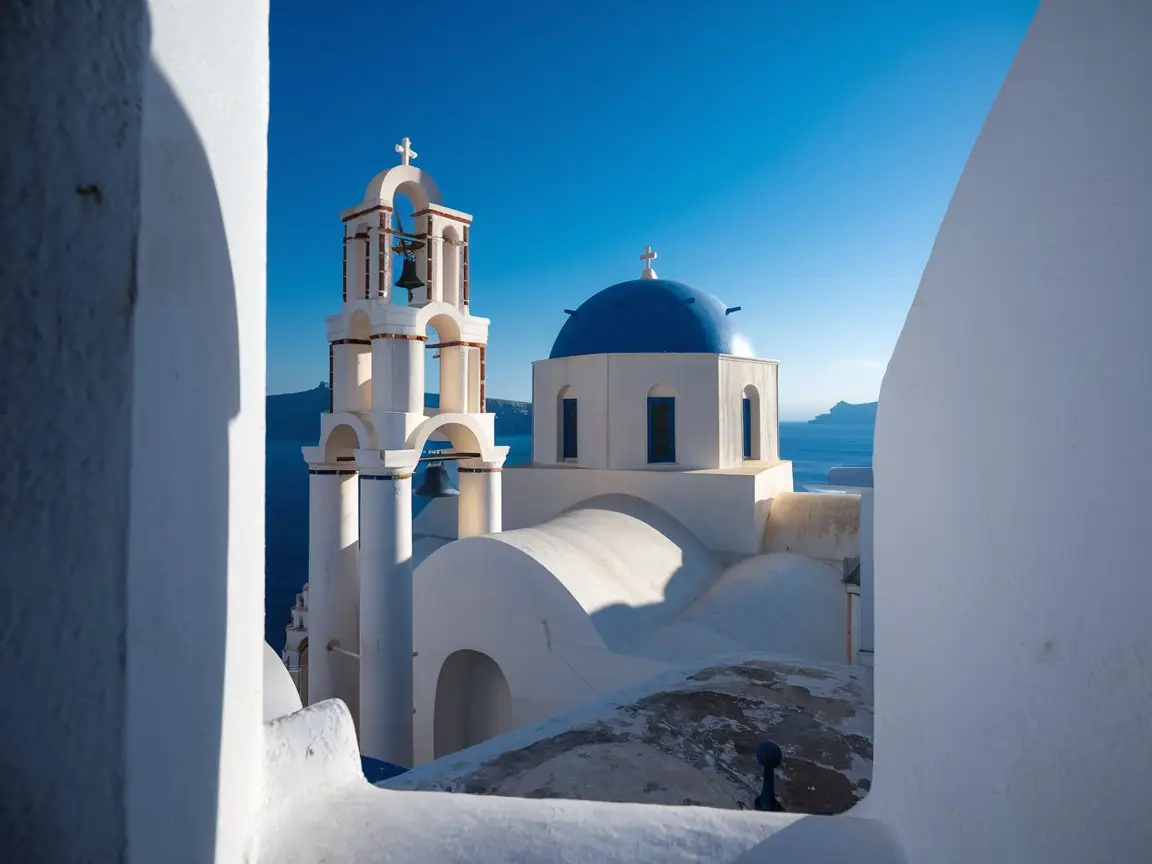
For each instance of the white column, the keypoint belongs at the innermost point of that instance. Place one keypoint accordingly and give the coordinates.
(374, 238)
(480, 504)
(386, 617)
(454, 379)
(332, 530)
(353, 373)
(414, 368)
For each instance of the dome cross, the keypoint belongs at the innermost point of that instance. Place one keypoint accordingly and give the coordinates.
(647, 258)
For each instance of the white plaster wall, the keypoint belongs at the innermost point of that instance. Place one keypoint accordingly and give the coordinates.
(632, 376)
(1033, 747)
(587, 380)
(69, 197)
(725, 510)
(197, 530)
(612, 390)
(735, 374)
(817, 525)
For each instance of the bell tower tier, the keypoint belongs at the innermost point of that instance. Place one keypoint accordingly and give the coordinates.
(406, 291)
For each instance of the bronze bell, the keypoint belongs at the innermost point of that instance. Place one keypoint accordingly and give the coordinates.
(436, 483)
(408, 279)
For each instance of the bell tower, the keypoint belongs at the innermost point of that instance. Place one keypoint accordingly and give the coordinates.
(405, 277)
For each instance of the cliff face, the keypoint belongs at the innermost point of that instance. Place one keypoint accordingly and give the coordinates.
(847, 413)
(296, 416)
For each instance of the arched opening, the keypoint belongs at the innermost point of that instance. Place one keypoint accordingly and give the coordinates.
(750, 438)
(473, 702)
(451, 254)
(447, 364)
(411, 230)
(341, 444)
(567, 425)
(662, 424)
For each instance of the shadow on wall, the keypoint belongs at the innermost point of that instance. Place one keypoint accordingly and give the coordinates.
(186, 392)
(625, 627)
(118, 306)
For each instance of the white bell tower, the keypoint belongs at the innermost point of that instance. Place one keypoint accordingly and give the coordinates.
(372, 439)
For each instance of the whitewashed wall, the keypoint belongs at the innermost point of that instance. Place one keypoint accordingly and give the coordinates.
(69, 199)
(585, 379)
(821, 526)
(727, 511)
(1015, 681)
(612, 408)
(133, 387)
(196, 554)
(737, 373)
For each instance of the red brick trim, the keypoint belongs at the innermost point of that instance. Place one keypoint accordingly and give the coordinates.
(365, 211)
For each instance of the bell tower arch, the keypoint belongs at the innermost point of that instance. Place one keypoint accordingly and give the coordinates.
(362, 492)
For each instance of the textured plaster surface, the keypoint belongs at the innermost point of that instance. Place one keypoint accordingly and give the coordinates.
(687, 738)
(1014, 654)
(318, 807)
(69, 205)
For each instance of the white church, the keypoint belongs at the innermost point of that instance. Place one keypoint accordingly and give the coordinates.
(639, 536)
(1013, 690)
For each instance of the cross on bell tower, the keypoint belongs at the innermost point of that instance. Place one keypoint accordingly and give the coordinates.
(407, 154)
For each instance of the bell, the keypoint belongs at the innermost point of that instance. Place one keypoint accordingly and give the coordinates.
(408, 279)
(436, 483)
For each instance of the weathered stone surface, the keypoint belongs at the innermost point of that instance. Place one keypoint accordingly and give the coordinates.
(692, 740)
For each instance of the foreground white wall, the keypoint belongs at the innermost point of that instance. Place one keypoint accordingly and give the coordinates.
(66, 291)
(1014, 587)
(196, 554)
(131, 496)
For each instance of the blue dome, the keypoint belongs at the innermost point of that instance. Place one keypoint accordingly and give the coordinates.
(650, 316)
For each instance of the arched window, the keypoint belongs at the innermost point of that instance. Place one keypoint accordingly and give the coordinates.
(750, 423)
(661, 424)
(567, 425)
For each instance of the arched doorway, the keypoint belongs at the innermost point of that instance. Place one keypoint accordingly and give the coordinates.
(473, 702)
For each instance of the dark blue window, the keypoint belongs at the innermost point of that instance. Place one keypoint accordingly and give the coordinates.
(747, 423)
(661, 428)
(568, 431)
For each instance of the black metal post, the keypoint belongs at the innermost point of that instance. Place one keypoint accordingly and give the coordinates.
(769, 755)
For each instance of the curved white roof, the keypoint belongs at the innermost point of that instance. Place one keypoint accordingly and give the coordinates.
(629, 565)
(780, 603)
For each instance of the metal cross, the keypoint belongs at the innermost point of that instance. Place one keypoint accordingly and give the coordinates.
(404, 148)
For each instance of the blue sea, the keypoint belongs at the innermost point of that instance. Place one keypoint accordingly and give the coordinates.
(813, 449)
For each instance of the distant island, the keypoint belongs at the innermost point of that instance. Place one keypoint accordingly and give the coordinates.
(847, 414)
(296, 416)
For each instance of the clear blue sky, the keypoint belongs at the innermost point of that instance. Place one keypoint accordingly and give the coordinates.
(793, 158)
